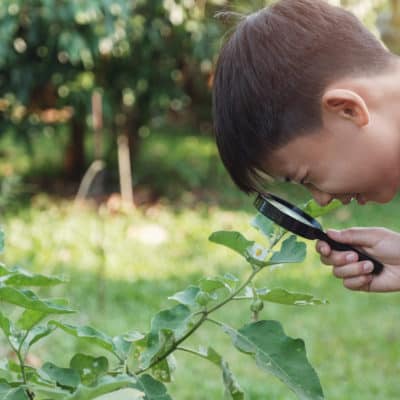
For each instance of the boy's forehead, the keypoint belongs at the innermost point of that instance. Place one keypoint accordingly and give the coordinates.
(279, 163)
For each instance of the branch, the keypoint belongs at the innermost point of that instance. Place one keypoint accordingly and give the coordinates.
(205, 313)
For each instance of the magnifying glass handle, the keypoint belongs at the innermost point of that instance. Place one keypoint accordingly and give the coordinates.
(378, 267)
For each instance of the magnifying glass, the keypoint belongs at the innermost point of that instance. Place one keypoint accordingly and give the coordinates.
(300, 223)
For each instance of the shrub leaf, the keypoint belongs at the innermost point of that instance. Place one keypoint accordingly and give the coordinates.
(280, 355)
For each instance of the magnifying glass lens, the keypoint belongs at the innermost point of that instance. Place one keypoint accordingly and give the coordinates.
(290, 212)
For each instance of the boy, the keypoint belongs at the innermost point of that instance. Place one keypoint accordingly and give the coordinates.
(303, 91)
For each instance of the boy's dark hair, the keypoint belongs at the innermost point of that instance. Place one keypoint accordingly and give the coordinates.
(271, 74)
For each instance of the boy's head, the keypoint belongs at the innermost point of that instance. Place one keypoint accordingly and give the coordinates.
(295, 89)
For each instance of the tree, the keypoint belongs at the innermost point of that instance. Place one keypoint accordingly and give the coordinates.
(144, 57)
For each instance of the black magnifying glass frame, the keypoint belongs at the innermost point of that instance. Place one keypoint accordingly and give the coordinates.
(312, 230)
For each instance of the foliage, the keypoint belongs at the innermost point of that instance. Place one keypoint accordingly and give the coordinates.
(144, 57)
(145, 362)
(148, 60)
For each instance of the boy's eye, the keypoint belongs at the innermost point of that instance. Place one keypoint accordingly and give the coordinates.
(302, 181)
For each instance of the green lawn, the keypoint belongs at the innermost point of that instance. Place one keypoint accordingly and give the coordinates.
(150, 254)
(122, 268)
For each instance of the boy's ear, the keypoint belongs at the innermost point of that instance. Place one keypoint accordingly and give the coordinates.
(346, 104)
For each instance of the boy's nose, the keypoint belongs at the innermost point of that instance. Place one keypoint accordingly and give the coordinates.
(321, 198)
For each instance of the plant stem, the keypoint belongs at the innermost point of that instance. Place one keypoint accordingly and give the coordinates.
(187, 350)
(20, 358)
(174, 346)
(214, 321)
(21, 363)
(254, 316)
(205, 313)
(237, 291)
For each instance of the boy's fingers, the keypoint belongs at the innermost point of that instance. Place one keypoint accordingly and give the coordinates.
(354, 236)
(339, 258)
(358, 283)
(323, 248)
(353, 270)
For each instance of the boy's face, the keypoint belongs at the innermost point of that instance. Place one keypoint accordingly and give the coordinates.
(342, 161)
(356, 153)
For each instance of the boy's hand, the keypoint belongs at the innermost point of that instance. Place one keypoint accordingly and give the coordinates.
(380, 243)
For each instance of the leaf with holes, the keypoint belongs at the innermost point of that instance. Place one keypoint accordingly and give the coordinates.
(89, 368)
(291, 251)
(280, 355)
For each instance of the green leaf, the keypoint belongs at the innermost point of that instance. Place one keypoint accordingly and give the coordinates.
(27, 299)
(233, 240)
(89, 368)
(238, 243)
(187, 296)
(231, 280)
(91, 335)
(210, 354)
(174, 319)
(123, 394)
(280, 355)
(13, 335)
(1, 240)
(4, 388)
(106, 384)
(121, 346)
(30, 318)
(14, 394)
(44, 392)
(291, 251)
(153, 389)
(315, 210)
(37, 333)
(26, 278)
(211, 285)
(11, 366)
(166, 327)
(5, 325)
(14, 367)
(263, 224)
(65, 377)
(4, 270)
(203, 298)
(8, 392)
(233, 391)
(282, 296)
(133, 336)
(163, 370)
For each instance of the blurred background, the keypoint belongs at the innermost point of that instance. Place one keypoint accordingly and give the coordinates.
(110, 176)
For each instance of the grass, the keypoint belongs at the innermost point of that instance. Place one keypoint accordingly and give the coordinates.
(122, 268)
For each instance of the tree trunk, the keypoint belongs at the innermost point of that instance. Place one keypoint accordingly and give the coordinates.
(125, 170)
(131, 130)
(74, 160)
(97, 116)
